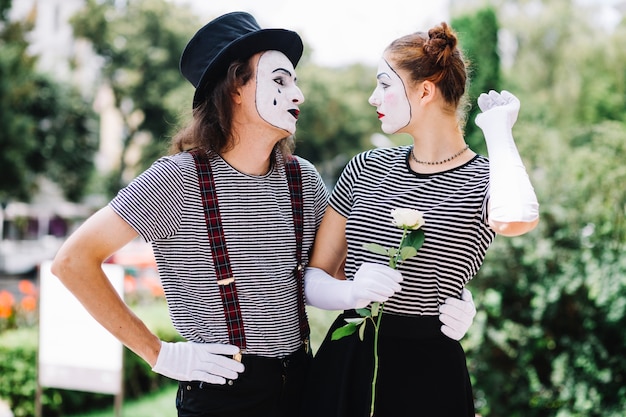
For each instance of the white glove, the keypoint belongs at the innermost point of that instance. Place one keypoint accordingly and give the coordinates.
(372, 282)
(457, 315)
(512, 197)
(189, 361)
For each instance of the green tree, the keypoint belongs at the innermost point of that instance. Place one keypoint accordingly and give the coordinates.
(478, 33)
(552, 303)
(140, 42)
(16, 135)
(5, 6)
(45, 124)
(66, 136)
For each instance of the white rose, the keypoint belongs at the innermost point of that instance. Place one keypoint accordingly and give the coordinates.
(407, 218)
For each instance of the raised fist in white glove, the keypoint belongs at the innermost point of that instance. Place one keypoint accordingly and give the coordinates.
(457, 315)
(497, 108)
(512, 198)
(372, 282)
(189, 361)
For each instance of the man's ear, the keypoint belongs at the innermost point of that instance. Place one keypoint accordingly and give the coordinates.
(236, 96)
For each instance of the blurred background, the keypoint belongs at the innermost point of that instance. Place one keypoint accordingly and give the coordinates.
(90, 94)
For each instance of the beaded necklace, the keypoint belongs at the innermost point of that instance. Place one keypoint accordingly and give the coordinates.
(439, 162)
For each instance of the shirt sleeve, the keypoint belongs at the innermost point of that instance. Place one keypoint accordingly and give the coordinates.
(313, 180)
(153, 201)
(341, 199)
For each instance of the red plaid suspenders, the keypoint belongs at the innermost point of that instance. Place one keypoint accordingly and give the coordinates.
(223, 271)
(294, 178)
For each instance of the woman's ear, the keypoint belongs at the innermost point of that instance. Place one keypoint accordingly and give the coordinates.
(428, 90)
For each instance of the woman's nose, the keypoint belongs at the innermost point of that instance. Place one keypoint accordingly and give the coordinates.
(373, 100)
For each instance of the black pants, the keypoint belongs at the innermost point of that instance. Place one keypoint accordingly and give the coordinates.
(269, 387)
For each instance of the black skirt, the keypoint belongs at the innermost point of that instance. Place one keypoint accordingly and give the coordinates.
(421, 372)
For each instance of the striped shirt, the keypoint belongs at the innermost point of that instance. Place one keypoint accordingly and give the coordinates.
(456, 229)
(164, 206)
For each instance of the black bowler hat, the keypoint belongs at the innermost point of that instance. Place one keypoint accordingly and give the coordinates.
(232, 36)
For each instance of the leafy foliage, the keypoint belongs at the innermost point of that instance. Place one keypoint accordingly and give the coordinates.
(478, 34)
(141, 42)
(17, 135)
(552, 304)
(45, 124)
(66, 135)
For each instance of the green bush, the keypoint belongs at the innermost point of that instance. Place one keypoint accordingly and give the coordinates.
(18, 367)
(18, 353)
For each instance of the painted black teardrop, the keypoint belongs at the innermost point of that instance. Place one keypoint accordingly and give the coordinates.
(274, 102)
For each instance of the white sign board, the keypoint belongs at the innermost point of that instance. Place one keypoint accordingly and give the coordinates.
(75, 351)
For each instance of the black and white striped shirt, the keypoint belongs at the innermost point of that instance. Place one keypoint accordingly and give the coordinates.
(456, 229)
(164, 205)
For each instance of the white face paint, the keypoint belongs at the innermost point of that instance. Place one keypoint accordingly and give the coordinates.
(390, 99)
(277, 95)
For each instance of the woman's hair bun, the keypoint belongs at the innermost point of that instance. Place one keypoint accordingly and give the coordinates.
(440, 38)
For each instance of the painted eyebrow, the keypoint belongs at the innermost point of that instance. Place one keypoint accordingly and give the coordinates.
(383, 74)
(282, 70)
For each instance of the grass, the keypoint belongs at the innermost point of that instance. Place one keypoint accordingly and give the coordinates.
(162, 403)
